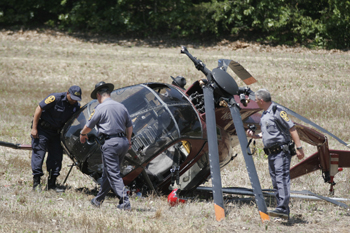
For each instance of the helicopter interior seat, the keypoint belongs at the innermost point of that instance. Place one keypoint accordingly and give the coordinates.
(160, 166)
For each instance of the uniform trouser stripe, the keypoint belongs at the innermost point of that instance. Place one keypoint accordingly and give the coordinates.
(113, 152)
(279, 166)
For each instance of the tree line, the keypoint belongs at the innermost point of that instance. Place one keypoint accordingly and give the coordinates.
(321, 23)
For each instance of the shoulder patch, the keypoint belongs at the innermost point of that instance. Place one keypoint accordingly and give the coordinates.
(93, 112)
(50, 99)
(284, 115)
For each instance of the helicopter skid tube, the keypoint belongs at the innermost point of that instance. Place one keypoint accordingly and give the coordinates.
(305, 194)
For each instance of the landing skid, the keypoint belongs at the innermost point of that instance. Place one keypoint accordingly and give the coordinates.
(304, 194)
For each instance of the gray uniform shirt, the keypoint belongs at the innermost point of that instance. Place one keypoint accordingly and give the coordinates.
(271, 133)
(110, 117)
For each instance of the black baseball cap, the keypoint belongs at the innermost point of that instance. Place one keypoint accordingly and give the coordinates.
(75, 93)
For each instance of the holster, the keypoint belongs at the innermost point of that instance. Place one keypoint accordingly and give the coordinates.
(101, 139)
(291, 146)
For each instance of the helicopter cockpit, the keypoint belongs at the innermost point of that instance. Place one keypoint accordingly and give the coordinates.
(162, 117)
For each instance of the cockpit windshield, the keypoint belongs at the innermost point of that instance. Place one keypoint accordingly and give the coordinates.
(161, 114)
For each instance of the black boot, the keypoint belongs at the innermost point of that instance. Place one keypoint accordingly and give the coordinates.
(36, 183)
(51, 184)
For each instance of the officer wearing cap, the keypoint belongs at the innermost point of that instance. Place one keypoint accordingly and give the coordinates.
(114, 125)
(49, 117)
(277, 130)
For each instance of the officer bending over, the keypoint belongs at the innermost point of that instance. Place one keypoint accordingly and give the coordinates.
(277, 130)
(114, 124)
(49, 117)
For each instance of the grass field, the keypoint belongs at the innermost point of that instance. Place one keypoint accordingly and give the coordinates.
(314, 83)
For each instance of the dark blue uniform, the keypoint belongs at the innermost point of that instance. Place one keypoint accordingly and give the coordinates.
(275, 127)
(56, 111)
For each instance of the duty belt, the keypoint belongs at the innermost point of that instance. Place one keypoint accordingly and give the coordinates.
(273, 149)
(119, 135)
(46, 125)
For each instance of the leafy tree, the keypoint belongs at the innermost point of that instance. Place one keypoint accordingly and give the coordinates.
(323, 23)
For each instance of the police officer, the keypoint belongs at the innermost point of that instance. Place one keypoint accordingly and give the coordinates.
(49, 117)
(277, 130)
(114, 125)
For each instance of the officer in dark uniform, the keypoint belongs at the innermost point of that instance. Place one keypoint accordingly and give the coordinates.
(49, 117)
(277, 130)
(115, 127)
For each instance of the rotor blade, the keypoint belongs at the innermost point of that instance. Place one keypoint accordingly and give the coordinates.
(253, 176)
(238, 191)
(242, 73)
(239, 70)
(345, 206)
(270, 193)
(287, 110)
(15, 146)
(213, 152)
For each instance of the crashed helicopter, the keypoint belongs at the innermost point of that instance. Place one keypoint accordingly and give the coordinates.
(182, 137)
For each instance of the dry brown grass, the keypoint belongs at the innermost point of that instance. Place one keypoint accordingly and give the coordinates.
(32, 65)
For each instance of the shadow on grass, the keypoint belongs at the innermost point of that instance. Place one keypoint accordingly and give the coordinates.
(270, 202)
(295, 219)
(87, 191)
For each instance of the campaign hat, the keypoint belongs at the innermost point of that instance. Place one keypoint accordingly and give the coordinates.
(100, 86)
